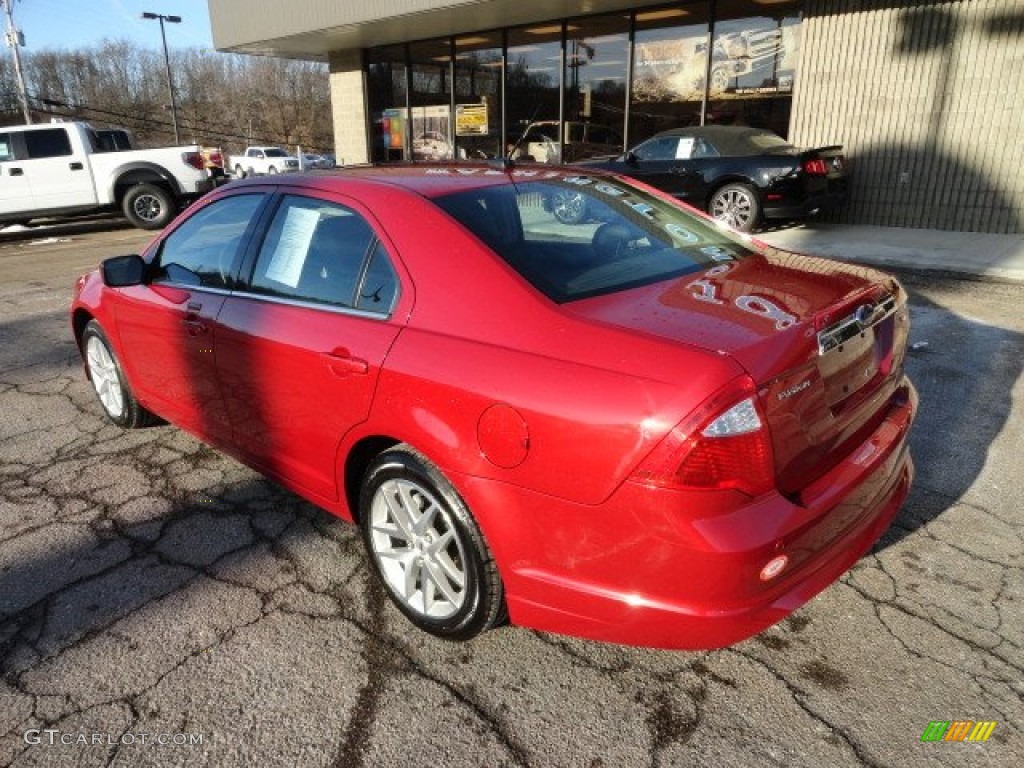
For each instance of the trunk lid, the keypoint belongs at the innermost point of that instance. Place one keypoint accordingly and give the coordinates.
(824, 342)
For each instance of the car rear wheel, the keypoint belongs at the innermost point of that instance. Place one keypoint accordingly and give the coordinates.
(736, 205)
(147, 206)
(240, 172)
(426, 548)
(108, 380)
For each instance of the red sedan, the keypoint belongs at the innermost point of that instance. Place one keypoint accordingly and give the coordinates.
(644, 429)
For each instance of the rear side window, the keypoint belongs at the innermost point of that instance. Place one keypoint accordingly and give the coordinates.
(324, 253)
(50, 142)
(202, 251)
(6, 150)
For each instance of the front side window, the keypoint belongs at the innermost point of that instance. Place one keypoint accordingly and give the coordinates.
(50, 142)
(658, 148)
(202, 251)
(623, 238)
(6, 150)
(324, 253)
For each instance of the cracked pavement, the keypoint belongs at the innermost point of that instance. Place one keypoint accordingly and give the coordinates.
(150, 585)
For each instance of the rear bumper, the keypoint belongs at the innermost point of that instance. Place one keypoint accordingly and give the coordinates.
(675, 569)
(789, 201)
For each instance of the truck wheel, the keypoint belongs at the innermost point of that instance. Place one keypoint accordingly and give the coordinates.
(148, 207)
(239, 172)
(272, 169)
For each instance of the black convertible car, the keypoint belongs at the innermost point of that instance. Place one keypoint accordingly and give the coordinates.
(738, 175)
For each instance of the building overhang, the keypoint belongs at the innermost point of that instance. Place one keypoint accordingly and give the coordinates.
(312, 29)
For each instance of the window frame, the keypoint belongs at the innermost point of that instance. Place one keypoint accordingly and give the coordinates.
(158, 270)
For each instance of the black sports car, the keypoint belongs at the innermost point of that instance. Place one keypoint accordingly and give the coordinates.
(738, 175)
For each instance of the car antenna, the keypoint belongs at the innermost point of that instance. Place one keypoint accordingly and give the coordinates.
(505, 164)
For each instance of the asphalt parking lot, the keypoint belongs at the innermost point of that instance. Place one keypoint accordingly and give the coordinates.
(153, 590)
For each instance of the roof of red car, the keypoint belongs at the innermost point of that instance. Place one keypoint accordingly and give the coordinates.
(434, 179)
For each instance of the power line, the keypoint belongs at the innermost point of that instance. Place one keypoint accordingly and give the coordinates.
(151, 123)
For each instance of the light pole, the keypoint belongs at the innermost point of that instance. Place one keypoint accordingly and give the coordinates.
(167, 64)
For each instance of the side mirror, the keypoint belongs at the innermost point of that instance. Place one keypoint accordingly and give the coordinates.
(629, 158)
(122, 271)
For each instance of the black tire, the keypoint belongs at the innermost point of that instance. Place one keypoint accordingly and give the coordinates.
(239, 172)
(272, 169)
(148, 206)
(737, 206)
(569, 207)
(109, 382)
(399, 485)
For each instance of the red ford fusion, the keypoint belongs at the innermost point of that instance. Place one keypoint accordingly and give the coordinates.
(643, 429)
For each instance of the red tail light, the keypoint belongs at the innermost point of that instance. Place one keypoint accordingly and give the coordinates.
(723, 445)
(195, 159)
(816, 167)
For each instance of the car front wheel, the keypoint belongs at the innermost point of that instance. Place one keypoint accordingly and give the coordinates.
(426, 548)
(736, 205)
(569, 207)
(272, 169)
(108, 380)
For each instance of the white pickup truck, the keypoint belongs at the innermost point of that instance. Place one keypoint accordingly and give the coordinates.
(59, 169)
(261, 160)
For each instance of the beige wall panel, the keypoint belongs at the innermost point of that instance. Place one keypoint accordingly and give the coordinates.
(926, 99)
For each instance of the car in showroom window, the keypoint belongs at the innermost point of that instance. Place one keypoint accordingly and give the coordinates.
(639, 427)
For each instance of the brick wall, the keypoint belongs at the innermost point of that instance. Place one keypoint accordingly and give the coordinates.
(348, 107)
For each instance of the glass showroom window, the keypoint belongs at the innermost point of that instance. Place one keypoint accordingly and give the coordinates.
(430, 101)
(387, 97)
(533, 90)
(479, 68)
(753, 63)
(596, 68)
(669, 69)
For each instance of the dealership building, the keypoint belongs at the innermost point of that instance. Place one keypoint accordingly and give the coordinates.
(925, 96)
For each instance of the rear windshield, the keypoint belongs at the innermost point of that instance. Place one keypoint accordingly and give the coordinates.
(768, 141)
(577, 236)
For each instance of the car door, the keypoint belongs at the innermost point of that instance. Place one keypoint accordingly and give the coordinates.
(59, 178)
(166, 326)
(15, 194)
(300, 346)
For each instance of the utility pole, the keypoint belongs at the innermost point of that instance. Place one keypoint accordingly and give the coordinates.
(14, 41)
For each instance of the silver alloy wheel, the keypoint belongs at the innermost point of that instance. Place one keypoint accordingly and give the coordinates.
(569, 207)
(417, 549)
(148, 207)
(103, 372)
(733, 206)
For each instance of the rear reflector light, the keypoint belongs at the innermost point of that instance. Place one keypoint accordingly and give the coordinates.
(815, 167)
(195, 159)
(774, 567)
(724, 445)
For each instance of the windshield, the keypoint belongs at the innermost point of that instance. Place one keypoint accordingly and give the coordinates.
(578, 236)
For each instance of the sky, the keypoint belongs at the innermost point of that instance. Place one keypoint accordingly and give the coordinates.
(84, 23)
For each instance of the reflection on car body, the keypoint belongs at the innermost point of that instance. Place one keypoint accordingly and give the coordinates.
(625, 429)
